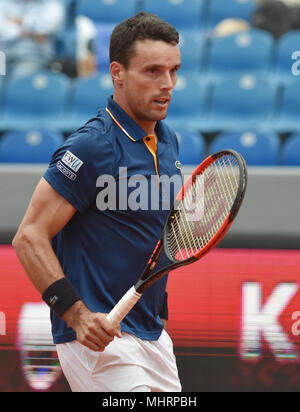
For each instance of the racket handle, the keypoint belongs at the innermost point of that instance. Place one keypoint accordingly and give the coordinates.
(125, 304)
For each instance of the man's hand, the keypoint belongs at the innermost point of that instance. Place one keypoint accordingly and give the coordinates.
(93, 330)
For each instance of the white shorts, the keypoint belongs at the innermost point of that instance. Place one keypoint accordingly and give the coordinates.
(128, 364)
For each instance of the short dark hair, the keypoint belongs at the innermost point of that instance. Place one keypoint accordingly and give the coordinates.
(142, 26)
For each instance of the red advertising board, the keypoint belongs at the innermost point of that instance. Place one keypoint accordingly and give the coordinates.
(246, 300)
(238, 306)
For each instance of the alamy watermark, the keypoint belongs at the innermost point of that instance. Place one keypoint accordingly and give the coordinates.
(2, 63)
(137, 192)
(296, 324)
(296, 65)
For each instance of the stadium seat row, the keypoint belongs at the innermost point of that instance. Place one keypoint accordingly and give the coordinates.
(252, 52)
(195, 20)
(51, 100)
(238, 103)
(192, 14)
(181, 13)
(258, 149)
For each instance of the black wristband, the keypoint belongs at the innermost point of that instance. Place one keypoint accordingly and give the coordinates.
(60, 296)
(164, 313)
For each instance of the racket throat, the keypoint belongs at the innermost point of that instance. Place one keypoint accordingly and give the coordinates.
(152, 266)
(153, 260)
(140, 286)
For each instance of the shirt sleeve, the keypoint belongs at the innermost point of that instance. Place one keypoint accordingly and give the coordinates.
(74, 168)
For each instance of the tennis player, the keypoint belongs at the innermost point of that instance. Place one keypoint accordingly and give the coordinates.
(81, 256)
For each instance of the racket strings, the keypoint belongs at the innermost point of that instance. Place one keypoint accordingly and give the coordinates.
(204, 208)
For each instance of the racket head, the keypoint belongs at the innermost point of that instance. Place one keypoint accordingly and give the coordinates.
(207, 227)
(205, 207)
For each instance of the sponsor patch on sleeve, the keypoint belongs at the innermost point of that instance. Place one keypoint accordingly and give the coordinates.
(72, 161)
(65, 171)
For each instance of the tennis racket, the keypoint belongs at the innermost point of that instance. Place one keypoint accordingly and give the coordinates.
(203, 211)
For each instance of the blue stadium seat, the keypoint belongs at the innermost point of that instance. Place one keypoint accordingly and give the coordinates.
(287, 61)
(35, 101)
(288, 116)
(108, 11)
(105, 14)
(291, 151)
(220, 10)
(248, 52)
(182, 14)
(258, 149)
(192, 46)
(101, 45)
(36, 146)
(192, 147)
(89, 95)
(189, 102)
(241, 103)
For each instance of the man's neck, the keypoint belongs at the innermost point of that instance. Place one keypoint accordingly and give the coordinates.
(147, 126)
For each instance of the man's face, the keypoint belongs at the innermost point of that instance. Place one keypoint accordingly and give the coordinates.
(148, 82)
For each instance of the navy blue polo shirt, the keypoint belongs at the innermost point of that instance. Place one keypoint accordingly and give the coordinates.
(109, 171)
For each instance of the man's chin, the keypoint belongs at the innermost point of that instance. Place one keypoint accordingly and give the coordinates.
(161, 115)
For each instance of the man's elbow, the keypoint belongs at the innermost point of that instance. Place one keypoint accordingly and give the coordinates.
(17, 241)
(22, 238)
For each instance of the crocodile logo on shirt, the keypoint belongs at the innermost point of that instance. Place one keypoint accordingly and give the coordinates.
(178, 164)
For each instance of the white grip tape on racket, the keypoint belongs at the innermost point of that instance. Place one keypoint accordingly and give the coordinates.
(125, 304)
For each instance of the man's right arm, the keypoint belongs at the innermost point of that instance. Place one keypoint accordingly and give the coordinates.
(47, 213)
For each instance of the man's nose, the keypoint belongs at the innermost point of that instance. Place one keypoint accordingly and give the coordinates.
(168, 82)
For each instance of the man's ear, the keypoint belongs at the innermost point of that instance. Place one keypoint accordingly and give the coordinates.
(117, 72)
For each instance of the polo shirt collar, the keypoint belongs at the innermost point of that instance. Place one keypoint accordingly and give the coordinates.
(129, 127)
